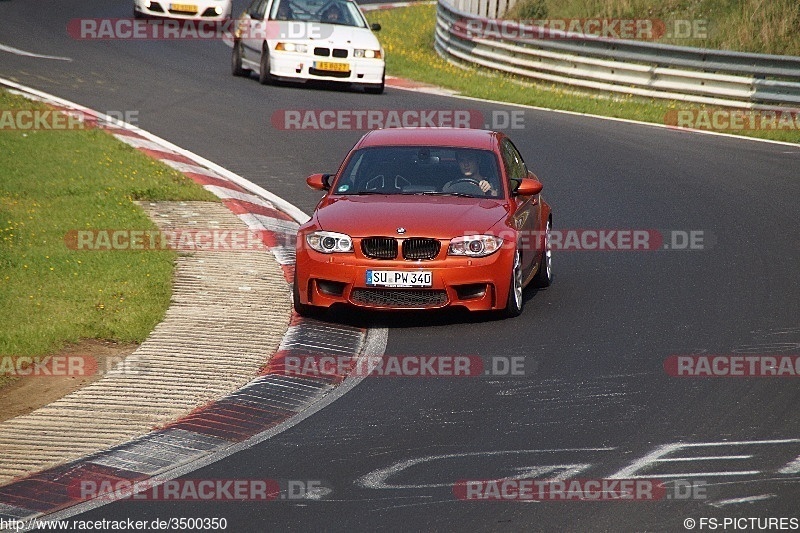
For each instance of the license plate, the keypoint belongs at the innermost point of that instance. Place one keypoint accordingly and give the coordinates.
(333, 67)
(399, 278)
(188, 8)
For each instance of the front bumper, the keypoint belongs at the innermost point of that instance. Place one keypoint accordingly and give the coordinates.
(477, 284)
(194, 9)
(296, 66)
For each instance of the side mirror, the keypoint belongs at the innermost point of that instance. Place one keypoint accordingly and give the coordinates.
(319, 181)
(375, 26)
(528, 187)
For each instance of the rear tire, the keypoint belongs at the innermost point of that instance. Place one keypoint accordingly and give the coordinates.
(544, 277)
(515, 303)
(236, 61)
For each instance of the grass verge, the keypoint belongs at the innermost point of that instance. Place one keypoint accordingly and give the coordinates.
(766, 27)
(52, 182)
(407, 36)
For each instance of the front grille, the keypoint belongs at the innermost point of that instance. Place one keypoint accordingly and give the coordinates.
(328, 73)
(379, 247)
(399, 297)
(324, 52)
(419, 248)
(339, 52)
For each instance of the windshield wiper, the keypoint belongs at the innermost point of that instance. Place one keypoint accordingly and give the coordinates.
(442, 193)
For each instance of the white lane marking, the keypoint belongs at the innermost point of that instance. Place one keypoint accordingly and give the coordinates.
(748, 499)
(137, 142)
(17, 51)
(600, 117)
(791, 468)
(378, 479)
(659, 455)
(230, 194)
(374, 347)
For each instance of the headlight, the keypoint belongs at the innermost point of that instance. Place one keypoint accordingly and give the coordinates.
(329, 242)
(292, 47)
(369, 54)
(475, 245)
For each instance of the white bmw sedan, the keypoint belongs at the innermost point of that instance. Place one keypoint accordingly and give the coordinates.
(300, 40)
(216, 10)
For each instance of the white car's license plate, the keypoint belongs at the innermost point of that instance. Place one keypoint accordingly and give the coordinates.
(399, 278)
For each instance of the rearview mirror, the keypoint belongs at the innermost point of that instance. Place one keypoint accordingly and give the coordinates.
(319, 181)
(375, 26)
(528, 187)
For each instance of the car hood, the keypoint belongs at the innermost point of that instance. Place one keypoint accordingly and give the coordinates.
(440, 217)
(331, 35)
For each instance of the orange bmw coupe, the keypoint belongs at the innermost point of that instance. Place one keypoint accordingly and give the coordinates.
(425, 218)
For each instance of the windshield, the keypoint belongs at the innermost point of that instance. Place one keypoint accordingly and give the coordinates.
(329, 12)
(421, 170)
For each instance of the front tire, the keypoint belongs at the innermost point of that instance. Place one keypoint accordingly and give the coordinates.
(264, 77)
(236, 61)
(376, 89)
(514, 303)
(301, 309)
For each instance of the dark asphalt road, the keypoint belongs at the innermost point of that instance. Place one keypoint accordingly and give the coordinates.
(594, 343)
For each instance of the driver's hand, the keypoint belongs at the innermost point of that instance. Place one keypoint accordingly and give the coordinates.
(486, 187)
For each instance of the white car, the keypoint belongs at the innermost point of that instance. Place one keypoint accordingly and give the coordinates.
(183, 9)
(300, 40)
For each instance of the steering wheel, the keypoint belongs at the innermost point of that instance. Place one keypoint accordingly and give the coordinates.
(449, 185)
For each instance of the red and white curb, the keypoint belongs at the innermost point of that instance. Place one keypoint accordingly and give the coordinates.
(270, 404)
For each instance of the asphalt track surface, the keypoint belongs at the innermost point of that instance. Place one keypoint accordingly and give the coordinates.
(594, 343)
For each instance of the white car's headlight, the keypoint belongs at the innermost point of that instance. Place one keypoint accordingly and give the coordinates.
(475, 245)
(292, 47)
(329, 242)
(369, 54)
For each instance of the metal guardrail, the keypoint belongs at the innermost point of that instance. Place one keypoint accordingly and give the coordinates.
(714, 77)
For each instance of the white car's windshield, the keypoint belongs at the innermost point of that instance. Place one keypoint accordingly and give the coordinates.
(343, 13)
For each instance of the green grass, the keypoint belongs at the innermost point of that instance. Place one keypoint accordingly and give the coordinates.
(52, 182)
(764, 26)
(407, 36)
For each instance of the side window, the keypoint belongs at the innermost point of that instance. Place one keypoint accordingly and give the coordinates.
(257, 8)
(515, 166)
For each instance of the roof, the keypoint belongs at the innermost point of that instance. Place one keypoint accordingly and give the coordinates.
(453, 137)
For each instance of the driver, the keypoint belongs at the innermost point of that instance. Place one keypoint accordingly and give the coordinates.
(470, 169)
(284, 11)
(333, 14)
